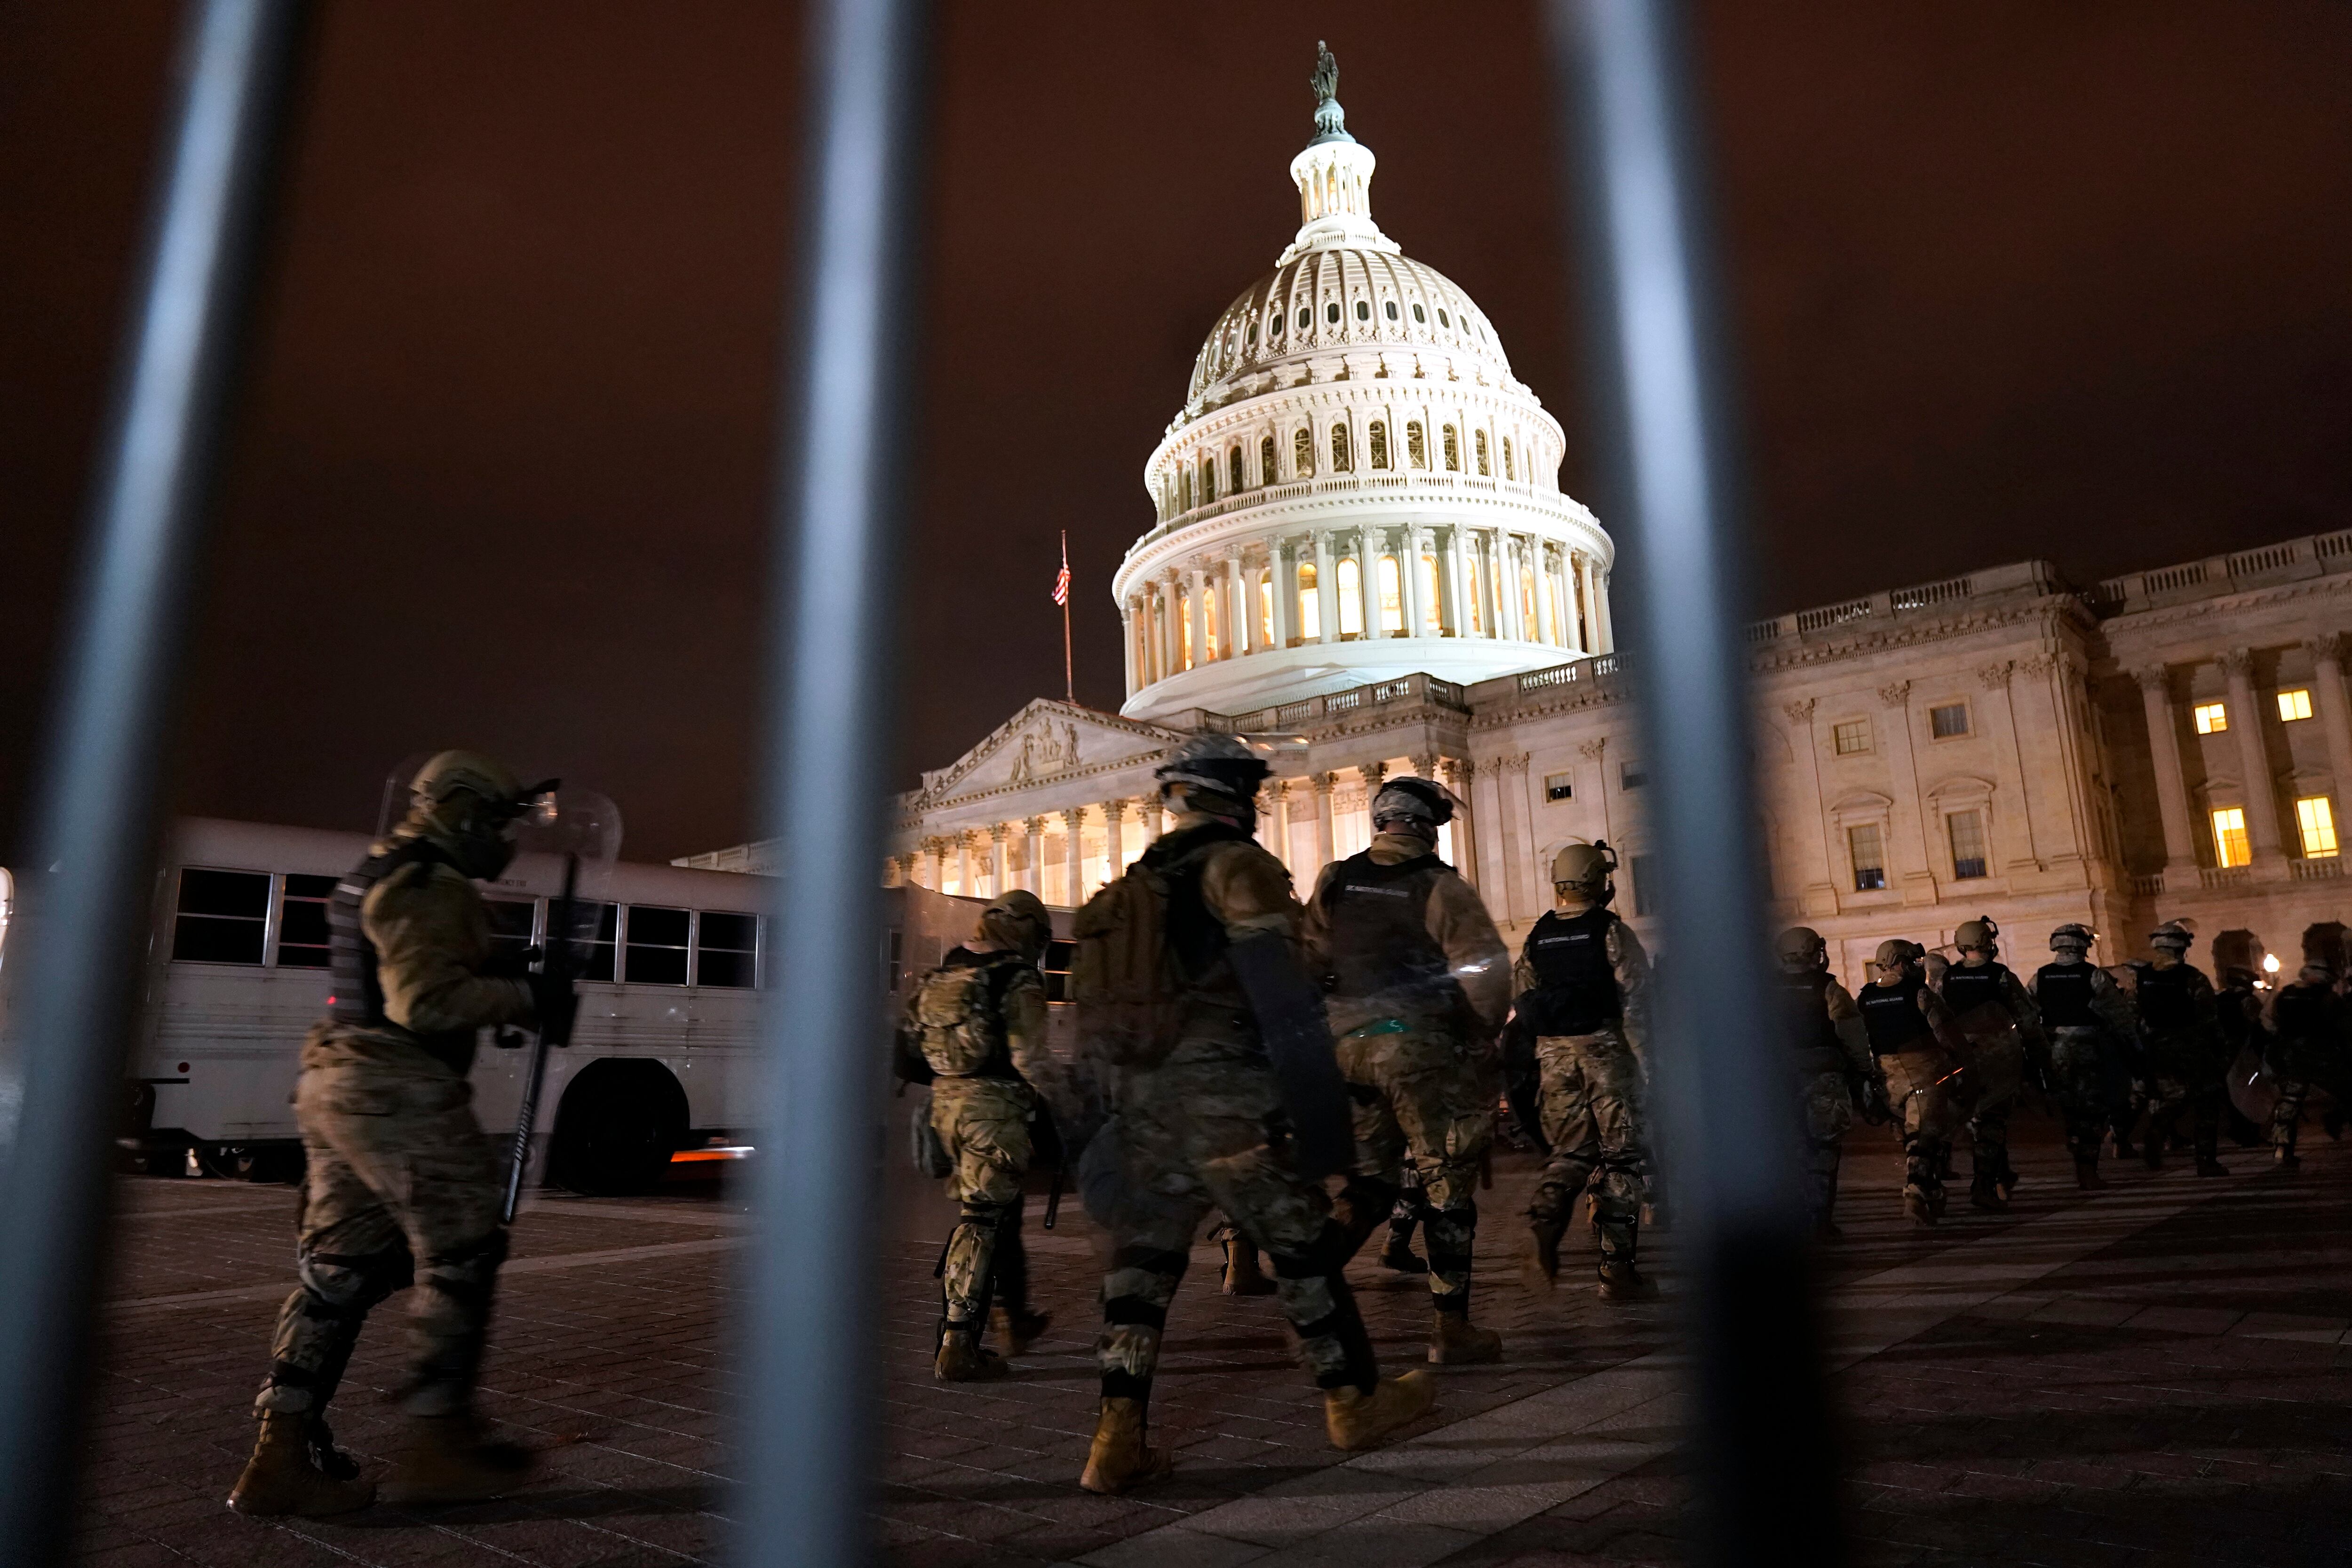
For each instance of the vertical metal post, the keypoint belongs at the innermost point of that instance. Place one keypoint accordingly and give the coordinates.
(1662, 413)
(811, 1383)
(85, 909)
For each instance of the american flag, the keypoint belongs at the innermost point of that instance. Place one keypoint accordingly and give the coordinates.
(1061, 582)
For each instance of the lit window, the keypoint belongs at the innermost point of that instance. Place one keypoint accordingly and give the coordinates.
(1632, 776)
(303, 923)
(1338, 448)
(1527, 598)
(1452, 451)
(1235, 481)
(1389, 307)
(1310, 615)
(1432, 619)
(1183, 636)
(1851, 736)
(1265, 611)
(1377, 437)
(2212, 718)
(1351, 599)
(1363, 311)
(1559, 786)
(1947, 720)
(2318, 824)
(221, 916)
(1302, 453)
(1510, 472)
(2230, 846)
(1392, 593)
(1484, 470)
(1862, 842)
(1477, 602)
(1419, 316)
(2293, 705)
(1265, 475)
(1967, 829)
(1416, 447)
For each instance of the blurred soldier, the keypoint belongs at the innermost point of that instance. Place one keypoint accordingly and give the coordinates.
(979, 1021)
(2177, 1009)
(1920, 1049)
(1584, 991)
(2003, 1027)
(2237, 1012)
(2094, 1043)
(402, 1184)
(1398, 1254)
(1419, 982)
(1836, 1074)
(1202, 1119)
(2307, 1024)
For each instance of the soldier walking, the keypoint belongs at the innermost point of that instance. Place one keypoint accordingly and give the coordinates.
(978, 1022)
(2307, 1023)
(1203, 932)
(1419, 982)
(1920, 1050)
(2186, 1065)
(2094, 1043)
(401, 1187)
(1836, 1074)
(1584, 992)
(1996, 1013)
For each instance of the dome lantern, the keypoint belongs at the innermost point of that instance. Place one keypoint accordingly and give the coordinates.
(1334, 176)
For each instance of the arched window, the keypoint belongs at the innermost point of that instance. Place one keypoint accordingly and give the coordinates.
(1480, 441)
(1265, 606)
(1527, 603)
(1208, 480)
(1351, 599)
(1338, 448)
(1236, 481)
(1416, 447)
(1305, 316)
(1274, 327)
(1380, 443)
(1442, 319)
(1184, 490)
(1180, 607)
(1209, 619)
(1331, 313)
(1474, 602)
(1249, 336)
(1302, 454)
(1391, 596)
(1266, 474)
(1432, 616)
(1363, 309)
(1510, 470)
(1388, 307)
(1420, 317)
(1452, 451)
(1310, 612)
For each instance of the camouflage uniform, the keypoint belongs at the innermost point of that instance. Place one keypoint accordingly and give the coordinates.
(2307, 1025)
(1834, 1067)
(2185, 1057)
(403, 1184)
(1420, 982)
(984, 1121)
(1590, 1010)
(2003, 1028)
(2094, 1037)
(1920, 1050)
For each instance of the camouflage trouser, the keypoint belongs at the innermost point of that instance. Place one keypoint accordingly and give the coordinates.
(1995, 1079)
(403, 1185)
(1419, 1100)
(1927, 1111)
(1826, 1105)
(1590, 1098)
(983, 1123)
(2186, 1075)
(2297, 1073)
(1193, 1134)
(2082, 1079)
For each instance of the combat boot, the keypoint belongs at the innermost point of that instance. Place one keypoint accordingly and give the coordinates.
(2086, 1172)
(1454, 1342)
(1398, 1254)
(1984, 1192)
(963, 1359)
(1621, 1281)
(1120, 1458)
(1920, 1209)
(1243, 1276)
(2284, 1156)
(280, 1479)
(449, 1460)
(1357, 1420)
(1017, 1330)
(1539, 1266)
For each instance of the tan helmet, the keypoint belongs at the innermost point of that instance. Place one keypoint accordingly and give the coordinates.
(1979, 932)
(1897, 953)
(1583, 869)
(450, 774)
(2171, 934)
(1017, 921)
(2073, 937)
(1425, 805)
(1801, 948)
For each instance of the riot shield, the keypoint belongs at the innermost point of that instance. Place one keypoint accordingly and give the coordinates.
(1995, 1059)
(2252, 1088)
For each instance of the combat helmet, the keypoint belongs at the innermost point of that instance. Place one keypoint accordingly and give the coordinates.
(1980, 932)
(2073, 937)
(2172, 936)
(1427, 804)
(1017, 921)
(1897, 953)
(1800, 949)
(447, 775)
(1583, 870)
(1219, 765)
(468, 804)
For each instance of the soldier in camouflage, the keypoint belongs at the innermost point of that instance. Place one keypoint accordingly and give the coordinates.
(1836, 1074)
(979, 1023)
(401, 1187)
(2094, 1043)
(1920, 1049)
(1418, 982)
(1996, 1013)
(1584, 985)
(1204, 1125)
(2307, 1023)
(2185, 1052)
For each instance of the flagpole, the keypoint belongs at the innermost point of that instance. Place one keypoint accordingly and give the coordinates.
(1069, 683)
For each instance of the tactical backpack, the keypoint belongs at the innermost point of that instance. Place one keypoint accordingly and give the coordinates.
(1133, 961)
(957, 1018)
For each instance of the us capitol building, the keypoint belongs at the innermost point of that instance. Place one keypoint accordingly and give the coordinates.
(1360, 541)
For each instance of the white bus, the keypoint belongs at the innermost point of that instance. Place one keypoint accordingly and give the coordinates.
(661, 1062)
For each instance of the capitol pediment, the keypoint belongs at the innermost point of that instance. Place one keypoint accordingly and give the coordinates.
(1048, 740)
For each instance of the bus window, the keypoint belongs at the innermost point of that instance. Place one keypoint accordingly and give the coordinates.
(223, 916)
(1056, 968)
(302, 921)
(594, 960)
(727, 951)
(657, 947)
(511, 923)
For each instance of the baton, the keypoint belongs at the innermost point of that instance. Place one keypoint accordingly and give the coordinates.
(558, 961)
(1054, 1200)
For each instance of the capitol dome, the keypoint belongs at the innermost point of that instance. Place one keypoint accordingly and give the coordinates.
(1357, 488)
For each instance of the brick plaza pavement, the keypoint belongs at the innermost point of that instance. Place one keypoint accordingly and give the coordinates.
(2155, 1375)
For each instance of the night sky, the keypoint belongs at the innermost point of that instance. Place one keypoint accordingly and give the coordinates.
(2040, 279)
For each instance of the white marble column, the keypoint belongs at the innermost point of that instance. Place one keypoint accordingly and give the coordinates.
(1073, 856)
(965, 880)
(1457, 624)
(1546, 611)
(1326, 589)
(2261, 789)
(2335, 717)
(1457, 772)
(1196, 613)
(1368, 588)
(1152, 817)
(1409, 570)
(2171, 780)
(1606, 632)
(1507, 588)
(1032, 856)
(1000, 859)
(1114, 838)
(1283, 566)
(1326, 836)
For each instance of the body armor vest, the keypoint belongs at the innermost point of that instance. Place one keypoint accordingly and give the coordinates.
(2164, 998)
(1891, 1016)
(1196, 936)
(2062, 992)
(358, 996)
(1966, 989)
(1804, 997)
(2302, 1014)
(1576, 986)
(1379, 922)
(959, 1012)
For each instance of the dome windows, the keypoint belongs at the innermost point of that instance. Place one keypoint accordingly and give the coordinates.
(1485, 469)
(1510, 472)
(1351, 598)
(1249, 336)
(1420, 317)
(1416, 445)
(1306, 317)
(1452, 451)
(1237, 480)
(1392, 598)
(1389, 306)
(1339, 453)
(1378, 439)
(1331, 313)
(1208, 480)
(1274, 328)
(1443, 320)
(1265, 475)
(1302, 454)
(1363, 309)
(1310, 609)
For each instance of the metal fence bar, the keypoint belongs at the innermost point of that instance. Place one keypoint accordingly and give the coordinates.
(85, 906)
(1767, 1469)
(804, 1470)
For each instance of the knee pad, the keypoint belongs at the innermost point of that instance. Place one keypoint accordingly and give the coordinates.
(345, 1285)
(983, 1212)
(466, 1273)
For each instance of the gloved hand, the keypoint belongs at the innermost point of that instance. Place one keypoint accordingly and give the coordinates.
(554, 1005)
(511, 965)
(1874, 1107)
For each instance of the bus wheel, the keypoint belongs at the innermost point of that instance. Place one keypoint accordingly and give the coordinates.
(621, 1120)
